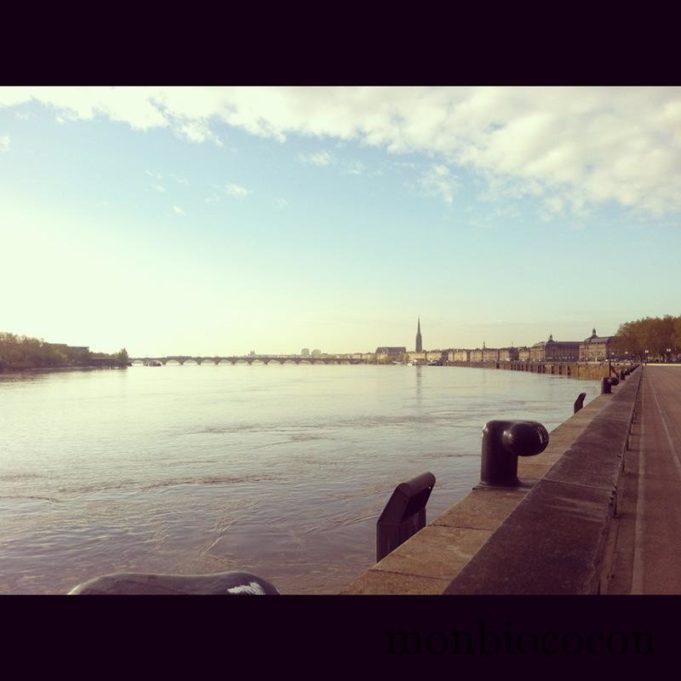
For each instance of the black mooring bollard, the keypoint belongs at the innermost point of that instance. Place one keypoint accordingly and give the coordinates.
(502, 443)
(579, 402)
(623, 375)
(404, 514)
(606, 387)
(136, 583)
(614, 380)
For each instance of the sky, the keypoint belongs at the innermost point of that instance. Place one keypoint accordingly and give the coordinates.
(219, 221)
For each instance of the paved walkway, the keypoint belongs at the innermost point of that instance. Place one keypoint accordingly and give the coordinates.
(647, 552)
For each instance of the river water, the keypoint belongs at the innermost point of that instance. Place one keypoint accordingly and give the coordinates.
(280, 470)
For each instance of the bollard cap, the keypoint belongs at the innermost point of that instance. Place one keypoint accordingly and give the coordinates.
(525, 438)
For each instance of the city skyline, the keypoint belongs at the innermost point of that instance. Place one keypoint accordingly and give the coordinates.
(229, 220)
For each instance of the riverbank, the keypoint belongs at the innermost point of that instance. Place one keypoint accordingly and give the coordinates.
(48, 370)
(593, 371)
(560, 516)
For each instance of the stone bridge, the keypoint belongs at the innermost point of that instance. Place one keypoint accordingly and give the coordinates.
(247, 359)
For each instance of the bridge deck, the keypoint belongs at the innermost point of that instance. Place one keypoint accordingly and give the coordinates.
(647, 556)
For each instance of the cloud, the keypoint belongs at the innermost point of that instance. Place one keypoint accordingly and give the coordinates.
(159, 188)
(596, 144)
(319, 159)
(237, 191)
(198, 131)
(178, 210)
(4, 143)
(438, 181)
(281, 203)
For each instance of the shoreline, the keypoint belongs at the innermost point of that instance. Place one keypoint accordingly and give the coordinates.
(47, 370)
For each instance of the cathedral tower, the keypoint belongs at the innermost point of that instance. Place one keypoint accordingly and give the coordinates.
(419, 343)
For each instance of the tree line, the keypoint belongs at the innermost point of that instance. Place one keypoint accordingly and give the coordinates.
(23, 352)
(650, 338)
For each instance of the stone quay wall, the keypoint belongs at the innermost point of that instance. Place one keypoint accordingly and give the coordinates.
(550, 535)
(587, 370)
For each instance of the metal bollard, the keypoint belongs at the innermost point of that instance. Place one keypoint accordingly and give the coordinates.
(606, 388)
(135, 583)
(614, 380)
(579, 402)
(404, 514)
(623, 375)
(502, 443)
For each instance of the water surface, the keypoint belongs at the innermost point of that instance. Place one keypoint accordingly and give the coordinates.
(277, 470)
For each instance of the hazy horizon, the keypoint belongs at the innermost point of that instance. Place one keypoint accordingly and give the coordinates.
(220, 221)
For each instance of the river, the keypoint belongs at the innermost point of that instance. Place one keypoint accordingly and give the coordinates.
(280, 470)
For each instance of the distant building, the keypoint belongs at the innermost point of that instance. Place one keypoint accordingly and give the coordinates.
(390, 350)
(524, 354)
(461, 355)
(555, 351)
(305, 352)
(596, 348)
(436, 355)
(76, 354)
(476, 355)
(508, 354)
(419, 342)
(387, 352)
(316, 352)
(490, 354)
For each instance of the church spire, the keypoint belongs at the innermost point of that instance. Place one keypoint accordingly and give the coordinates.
(419, 342)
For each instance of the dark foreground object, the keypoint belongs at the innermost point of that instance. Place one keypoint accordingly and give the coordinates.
(579, 402)
(502, 443)
(404, 514)
(219, 584)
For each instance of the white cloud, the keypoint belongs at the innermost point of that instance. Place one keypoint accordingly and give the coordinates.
(198, 131)
(237, 191)
(180, 180)
(319, 159)
(159, 188)
(156, 176)
(619, 144)
(178, 210)
(4, 143)
(281, 203)
(439, 181)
